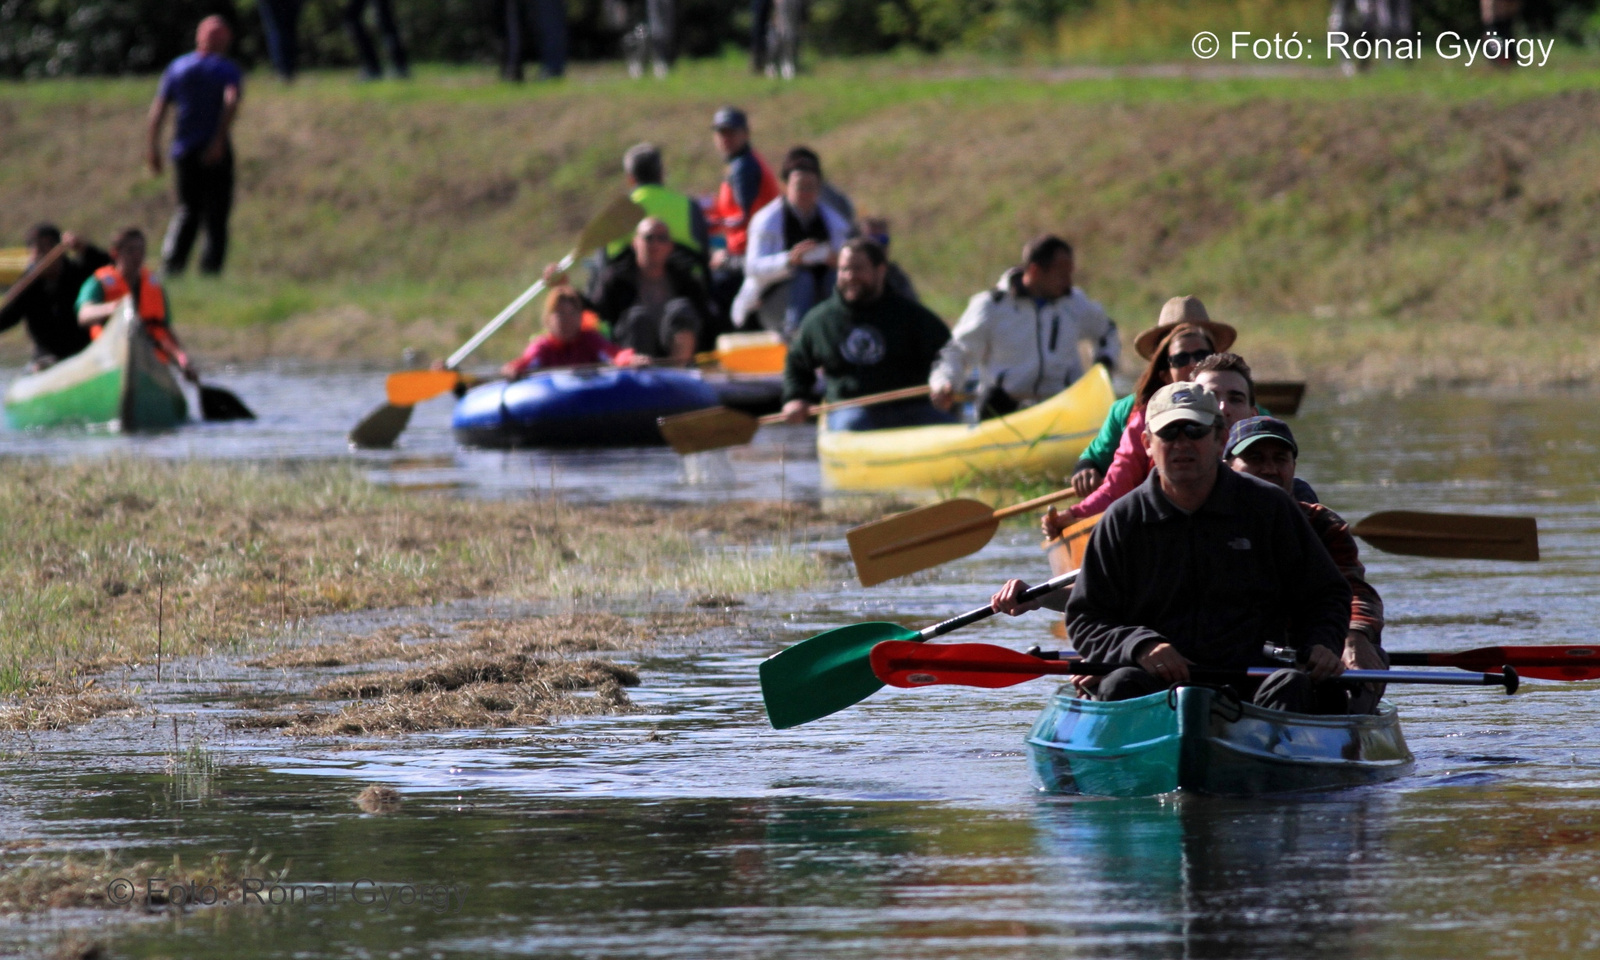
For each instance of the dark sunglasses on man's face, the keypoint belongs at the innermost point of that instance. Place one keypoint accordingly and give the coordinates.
(658, 238)
(1176, 360)
(1187, 428)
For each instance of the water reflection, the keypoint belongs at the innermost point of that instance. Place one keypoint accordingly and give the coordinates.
(1203, 877)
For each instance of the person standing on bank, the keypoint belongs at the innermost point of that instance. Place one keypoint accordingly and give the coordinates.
(1022, 336)
(48, 305)
(205, 86)
(280, 20)
(371, 68)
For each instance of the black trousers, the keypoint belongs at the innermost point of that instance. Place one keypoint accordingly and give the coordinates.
(651, 334)
(370, 67)
(205, 198)
(281, 21)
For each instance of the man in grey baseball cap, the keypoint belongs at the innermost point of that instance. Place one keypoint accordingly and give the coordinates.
(1202, 566)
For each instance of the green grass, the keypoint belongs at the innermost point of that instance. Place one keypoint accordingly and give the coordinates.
(1414, 224)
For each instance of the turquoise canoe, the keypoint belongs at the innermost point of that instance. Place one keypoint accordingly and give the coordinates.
(1198, 739)
(117, 382)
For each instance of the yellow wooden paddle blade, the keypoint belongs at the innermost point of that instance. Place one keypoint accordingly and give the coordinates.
(919, 539)
(766, 358)
(709, 429)
(1066, 551)
(1282, 397)
(1454, 535)
(410, 387)
(619, 219)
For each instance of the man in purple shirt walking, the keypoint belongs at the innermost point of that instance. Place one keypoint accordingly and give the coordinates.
(205, 86)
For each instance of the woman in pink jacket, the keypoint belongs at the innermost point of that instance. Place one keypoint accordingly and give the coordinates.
(1175, 359)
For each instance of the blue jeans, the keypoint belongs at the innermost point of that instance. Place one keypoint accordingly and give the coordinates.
(887, 416)
(805, 292)
(280, 19)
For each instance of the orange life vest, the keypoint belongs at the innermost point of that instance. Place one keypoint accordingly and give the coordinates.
(152, 299)
(152, 307)
(730, 220)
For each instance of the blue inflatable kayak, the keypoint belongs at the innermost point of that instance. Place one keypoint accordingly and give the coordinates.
(586, 408)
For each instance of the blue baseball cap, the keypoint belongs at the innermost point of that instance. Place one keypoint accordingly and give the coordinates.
(730, 118)
(1252, 429)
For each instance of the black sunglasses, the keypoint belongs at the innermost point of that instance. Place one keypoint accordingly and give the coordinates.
(1176, 360)
(1188, 428)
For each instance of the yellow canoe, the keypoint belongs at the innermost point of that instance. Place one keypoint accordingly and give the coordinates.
(13, 261)
(1045, 438)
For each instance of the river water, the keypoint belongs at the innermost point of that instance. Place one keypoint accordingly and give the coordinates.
(905, 827)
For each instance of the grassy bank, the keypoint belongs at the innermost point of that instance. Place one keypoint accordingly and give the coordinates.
(104, 560)
(1411, 225)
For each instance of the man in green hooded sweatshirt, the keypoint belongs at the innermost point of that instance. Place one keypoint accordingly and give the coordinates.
(865, 339)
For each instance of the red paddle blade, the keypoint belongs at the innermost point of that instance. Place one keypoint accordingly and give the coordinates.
(1551, 662)
(900, 663)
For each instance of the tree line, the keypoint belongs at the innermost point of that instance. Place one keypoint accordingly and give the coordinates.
(48, 38)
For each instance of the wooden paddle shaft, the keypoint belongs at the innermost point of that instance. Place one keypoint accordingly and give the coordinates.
(888, 396)
(983, 613)
(26, 280)
(977, 524)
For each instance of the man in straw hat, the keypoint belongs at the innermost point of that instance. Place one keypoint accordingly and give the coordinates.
(1202, 566)
(1022, 335)
(1097, 456)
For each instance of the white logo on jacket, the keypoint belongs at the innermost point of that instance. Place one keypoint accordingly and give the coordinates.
(864, 347)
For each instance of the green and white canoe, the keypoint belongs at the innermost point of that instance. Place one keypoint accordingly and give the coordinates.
(1198, 739)
(117, 382)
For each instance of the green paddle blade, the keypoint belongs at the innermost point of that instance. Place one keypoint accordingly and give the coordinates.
(826, 673)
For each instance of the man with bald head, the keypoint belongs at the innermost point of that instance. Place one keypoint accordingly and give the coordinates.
(651, 295)
(205, 87)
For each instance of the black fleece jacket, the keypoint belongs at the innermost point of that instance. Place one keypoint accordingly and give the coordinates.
(1243, 571)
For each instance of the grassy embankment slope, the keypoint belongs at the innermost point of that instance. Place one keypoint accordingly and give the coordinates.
(1410, 226)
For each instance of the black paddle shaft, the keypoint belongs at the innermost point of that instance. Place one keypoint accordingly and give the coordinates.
(983, 613)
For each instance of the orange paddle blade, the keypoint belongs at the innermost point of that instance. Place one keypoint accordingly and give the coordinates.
(409, 387)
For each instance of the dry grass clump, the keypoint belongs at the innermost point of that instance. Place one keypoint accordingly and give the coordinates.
(493, 673)
(475, 669)
(465, 688)
(60, 704)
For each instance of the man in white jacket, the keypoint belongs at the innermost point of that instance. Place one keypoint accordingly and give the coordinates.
(1022, 336)
(794, 246)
